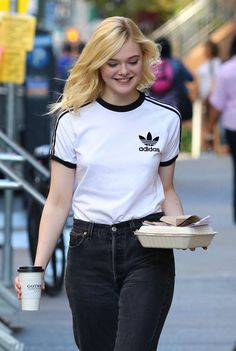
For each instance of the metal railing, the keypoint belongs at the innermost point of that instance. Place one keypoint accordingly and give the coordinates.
(24, 154)
(195, 23)
(15, 181)
(12, 182)
(13, 153)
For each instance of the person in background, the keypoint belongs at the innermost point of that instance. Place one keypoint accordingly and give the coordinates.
(64, 63)
(178, 94)
(223, 106)
(113, 158)
(80, 47)
(208, 70)
(77, 49)
(206, 76)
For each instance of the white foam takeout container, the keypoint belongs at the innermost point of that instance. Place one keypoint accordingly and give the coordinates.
(187, 237)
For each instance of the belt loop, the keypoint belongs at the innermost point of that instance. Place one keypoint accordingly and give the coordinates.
(90, 228)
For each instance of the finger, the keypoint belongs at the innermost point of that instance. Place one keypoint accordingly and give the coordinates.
(17, 286)
(18, 292)
(17, 283)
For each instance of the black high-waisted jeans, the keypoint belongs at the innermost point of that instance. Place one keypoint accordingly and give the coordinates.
(118, 291)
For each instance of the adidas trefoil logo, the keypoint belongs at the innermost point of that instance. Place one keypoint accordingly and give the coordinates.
(148, 141)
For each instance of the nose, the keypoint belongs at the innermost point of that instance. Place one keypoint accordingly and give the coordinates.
(123, 69)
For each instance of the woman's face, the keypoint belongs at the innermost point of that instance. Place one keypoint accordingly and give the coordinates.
(122, 73)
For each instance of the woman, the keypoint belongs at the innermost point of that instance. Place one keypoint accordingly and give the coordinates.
(113, 157)
(223, 108)
(207, 73)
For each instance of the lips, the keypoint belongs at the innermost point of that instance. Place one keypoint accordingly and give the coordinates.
(126, 79)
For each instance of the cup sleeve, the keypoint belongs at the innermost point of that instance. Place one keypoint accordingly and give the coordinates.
(63, 140)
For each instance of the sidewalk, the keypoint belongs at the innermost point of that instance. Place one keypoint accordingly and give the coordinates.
(203, 313)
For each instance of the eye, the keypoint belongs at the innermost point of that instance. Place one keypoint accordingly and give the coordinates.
(133, 62)
(112, 64)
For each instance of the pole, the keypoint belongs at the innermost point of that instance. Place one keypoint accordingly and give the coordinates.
(7, 248)
(196, 129)
(13, 5)
(8, 194)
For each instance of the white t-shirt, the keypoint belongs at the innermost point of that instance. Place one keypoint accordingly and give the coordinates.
(117, 151)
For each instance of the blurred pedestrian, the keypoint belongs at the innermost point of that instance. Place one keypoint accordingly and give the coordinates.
(208, 70)
(223, 106)
(113, 157)
(64, 63)
(206, 76)
(76, 50)
(80, 47)
(171, 78)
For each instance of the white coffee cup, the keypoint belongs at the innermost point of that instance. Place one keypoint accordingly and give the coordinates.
(31, 287)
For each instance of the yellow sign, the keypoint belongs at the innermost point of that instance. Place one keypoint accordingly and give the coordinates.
(1, 54)
(5, 5)
(12, 67)
(17, 31)
(23, 6)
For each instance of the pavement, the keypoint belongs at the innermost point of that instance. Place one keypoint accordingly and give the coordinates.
(203, 312)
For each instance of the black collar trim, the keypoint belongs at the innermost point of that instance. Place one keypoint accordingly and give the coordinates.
(124, 108)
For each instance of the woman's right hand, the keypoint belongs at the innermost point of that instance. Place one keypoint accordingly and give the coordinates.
(18, 287)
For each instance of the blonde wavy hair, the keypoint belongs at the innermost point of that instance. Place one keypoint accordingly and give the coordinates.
(84, 83)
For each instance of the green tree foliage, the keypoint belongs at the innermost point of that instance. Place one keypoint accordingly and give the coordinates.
(131, 8)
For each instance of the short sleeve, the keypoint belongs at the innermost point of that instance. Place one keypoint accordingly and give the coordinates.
(62, 147)
(171, 149)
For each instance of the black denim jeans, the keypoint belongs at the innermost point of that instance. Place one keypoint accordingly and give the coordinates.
(119, 292)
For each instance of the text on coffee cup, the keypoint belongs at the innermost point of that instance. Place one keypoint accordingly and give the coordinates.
(34, 286)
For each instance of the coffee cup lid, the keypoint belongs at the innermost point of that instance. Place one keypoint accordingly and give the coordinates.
(31, 269)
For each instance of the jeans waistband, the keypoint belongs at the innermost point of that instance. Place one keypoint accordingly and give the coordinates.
(130, 224)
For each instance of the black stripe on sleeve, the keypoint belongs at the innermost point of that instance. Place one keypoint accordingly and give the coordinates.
(169, 107)
(64, 163)
(52, 149)
(169, 162)
(162, 104)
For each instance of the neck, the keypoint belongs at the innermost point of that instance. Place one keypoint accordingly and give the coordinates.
(120, 100)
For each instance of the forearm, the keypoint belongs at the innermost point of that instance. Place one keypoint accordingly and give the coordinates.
(55, 211)
(172, 205)
(51, 225)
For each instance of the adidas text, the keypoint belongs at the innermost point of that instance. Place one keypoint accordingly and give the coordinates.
(155, 149)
